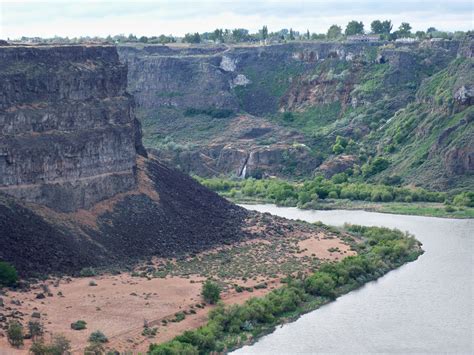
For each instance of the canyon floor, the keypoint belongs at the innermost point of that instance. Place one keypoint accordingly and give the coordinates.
(154, 293)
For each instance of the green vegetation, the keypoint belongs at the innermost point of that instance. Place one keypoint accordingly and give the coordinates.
(379, 251)
(59, 345)
(302, 193)
(8, 274)
(211, 292)
(15, 333)
(211, 111)
(79, 325)
(98, 337)
(339, 193)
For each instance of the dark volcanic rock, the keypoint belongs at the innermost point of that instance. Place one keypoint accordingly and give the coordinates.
(68, 136)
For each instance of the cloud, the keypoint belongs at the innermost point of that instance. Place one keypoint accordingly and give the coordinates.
(91, 17)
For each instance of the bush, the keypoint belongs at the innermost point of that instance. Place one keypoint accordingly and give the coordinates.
(320, 284)
(87, 272)
(58, 346)
(98, 337)
(8, 274)
(79, 325)
(35, 328)
(172, 348)
(15, 334)
(211, 292)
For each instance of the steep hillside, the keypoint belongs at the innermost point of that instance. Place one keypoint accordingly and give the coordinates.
(77, 188)
(296, 99)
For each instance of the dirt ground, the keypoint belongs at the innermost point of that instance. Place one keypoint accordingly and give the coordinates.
(120, 305)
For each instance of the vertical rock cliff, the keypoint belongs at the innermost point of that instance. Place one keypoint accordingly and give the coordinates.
(68, 137)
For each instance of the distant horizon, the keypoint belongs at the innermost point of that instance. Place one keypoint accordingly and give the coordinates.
(82, 18)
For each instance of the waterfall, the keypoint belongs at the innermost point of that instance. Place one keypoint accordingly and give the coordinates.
(244, 171)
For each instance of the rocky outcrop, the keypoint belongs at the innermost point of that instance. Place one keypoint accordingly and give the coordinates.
(76, 186)
(68, 135)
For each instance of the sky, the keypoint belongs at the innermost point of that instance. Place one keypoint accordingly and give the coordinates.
(74, 18)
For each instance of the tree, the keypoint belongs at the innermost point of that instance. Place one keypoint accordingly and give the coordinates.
(404, 30)
(334, 32)
(143, 39)
(354, 28)
(308, 35)
(292, 35)
(381, 27)
(15, 334)
(218, 35)
(192, 38)
(320, 284)
(211, 292)
(8, 274)
(264, 32)
(376, 26)
(431, 29)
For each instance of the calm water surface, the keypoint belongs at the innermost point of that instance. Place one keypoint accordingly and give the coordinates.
(423, 307)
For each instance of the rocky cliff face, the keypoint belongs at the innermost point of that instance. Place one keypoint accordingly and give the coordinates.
(312, 91)
(68, 136)
(76, 186)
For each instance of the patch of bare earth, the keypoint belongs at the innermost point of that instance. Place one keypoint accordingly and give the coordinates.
(120, 305)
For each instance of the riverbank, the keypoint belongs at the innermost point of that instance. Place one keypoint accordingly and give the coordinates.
(165, 294)
(427, 209)
(379, 250)
(339, 193)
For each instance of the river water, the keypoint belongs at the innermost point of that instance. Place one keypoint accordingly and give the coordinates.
(422, 307)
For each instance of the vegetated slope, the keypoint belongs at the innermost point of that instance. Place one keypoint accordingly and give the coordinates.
(314, 92)
(431, 142)
(169, 215)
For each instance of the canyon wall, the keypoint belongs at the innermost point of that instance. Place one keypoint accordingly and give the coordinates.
(68, 135)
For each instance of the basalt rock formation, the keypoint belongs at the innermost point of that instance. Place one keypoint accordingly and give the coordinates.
(308, 94)
(76, 186)
(68, 136)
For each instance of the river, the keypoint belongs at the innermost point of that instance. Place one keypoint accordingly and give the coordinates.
(422, 307)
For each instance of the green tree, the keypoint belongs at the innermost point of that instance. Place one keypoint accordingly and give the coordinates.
(404, 30)
(381, 27)
(334, 32)
(15, 334)
(264, 32)
(308, 35)
(192, 38)
(376, 27)
(211, 292)
(143, 39)
(292, 35)
(8, 274)
(354, 28)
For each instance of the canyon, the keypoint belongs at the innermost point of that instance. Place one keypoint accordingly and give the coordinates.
(277, 110)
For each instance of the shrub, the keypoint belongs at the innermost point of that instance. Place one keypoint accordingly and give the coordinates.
(78, 325)
(320, 284)
(211, 292)
(58, 346)
(87, 272)
(98, 337)
(15, 334)
(179, 316)
(35, 328)
(8, 274)
(172, 348)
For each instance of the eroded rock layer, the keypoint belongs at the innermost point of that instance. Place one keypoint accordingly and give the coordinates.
(68, 136)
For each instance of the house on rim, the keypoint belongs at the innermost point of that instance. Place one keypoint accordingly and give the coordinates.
(363, 38)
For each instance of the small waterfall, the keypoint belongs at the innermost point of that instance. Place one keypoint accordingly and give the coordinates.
(243, 172)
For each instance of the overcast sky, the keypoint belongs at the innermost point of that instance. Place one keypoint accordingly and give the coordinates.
(92, 17)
